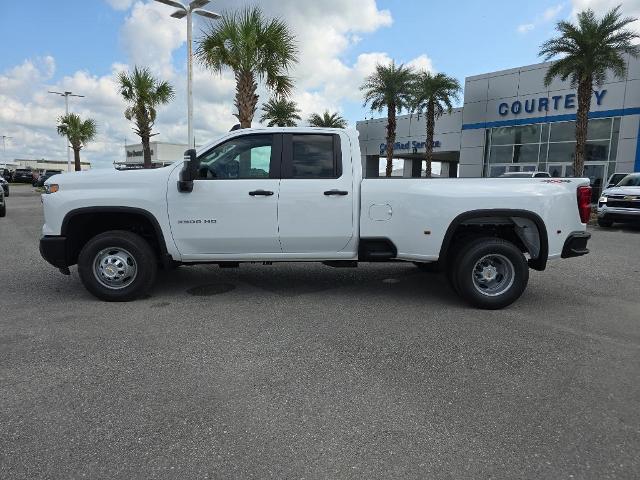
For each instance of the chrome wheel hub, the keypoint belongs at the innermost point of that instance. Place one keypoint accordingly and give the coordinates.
(493, 275)
(115, 268)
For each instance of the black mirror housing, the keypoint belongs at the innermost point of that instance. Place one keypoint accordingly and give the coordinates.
(189, 171)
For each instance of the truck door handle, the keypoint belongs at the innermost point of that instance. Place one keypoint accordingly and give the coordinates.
(336, 192)
(265, 193)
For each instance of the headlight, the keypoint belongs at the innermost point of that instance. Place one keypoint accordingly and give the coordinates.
(51, 187)
(603, 199)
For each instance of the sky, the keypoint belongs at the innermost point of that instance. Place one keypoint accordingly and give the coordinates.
(81, 45)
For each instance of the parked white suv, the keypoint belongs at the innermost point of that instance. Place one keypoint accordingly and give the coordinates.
(620, 203)
(297, 194)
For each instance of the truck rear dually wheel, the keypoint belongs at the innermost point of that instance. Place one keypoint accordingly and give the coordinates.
(490, 273)
(117, 266)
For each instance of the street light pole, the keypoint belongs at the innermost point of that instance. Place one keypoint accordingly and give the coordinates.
(66, 96)
(190, 80)
(187, 11)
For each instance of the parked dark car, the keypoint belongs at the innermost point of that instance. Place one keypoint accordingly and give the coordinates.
(22, 175)
(6, 174)
(45, 176)
(5, 186)
(3, 204)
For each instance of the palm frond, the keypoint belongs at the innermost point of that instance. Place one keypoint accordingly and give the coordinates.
(280, 112)
(590, 47)
(78, 131)
(327, 120)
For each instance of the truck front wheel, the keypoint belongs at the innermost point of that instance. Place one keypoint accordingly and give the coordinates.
(117, 266)
(490, 273)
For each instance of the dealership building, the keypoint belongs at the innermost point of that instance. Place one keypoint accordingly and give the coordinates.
(511, 121)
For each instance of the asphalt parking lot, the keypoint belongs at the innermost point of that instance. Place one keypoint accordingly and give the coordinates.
(305, 371)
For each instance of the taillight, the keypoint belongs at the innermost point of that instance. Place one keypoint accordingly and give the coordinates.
(584, 203)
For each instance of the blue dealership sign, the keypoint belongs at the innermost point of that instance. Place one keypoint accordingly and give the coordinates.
(544, 104)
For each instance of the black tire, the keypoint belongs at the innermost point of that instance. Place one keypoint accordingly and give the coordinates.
(498, 253)
(3, 211)
(141, 254)
(605, 223)
(428, 267)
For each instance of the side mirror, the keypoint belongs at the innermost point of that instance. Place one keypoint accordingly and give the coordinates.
(189, 171)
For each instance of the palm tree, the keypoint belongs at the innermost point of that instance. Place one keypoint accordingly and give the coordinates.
(388, 87)
(588, 50)
(327, 120)
(433, 94)
(255, 49)
(79, 132)
(144, 93)
(280, 112)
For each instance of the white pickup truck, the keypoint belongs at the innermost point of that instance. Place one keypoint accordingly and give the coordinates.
(297, 194)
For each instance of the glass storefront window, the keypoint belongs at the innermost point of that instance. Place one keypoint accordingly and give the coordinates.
(527, 134)
(551, 147)
(563, 132)
(515, 135)
(599, 129)
(503, 136)
(526, 153)
(561, 152)
(597, 151)
(500, 154)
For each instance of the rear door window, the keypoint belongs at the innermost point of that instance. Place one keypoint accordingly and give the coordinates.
(312, 156)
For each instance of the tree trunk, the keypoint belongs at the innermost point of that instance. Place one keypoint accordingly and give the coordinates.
(76, 158)
(585, 90)
(391, 136)
(146, 151)
(246, 98)
(431, 120)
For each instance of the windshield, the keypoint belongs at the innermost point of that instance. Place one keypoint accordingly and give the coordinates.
(630, 181)
(516, 175)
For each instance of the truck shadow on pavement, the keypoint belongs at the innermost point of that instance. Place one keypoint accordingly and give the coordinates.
(401, 280)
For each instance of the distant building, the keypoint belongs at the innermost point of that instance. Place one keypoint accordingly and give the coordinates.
(162, 153)
(42, 164)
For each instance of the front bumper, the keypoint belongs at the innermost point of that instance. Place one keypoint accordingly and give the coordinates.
(576, 245)
(54, 250)
(619, 214)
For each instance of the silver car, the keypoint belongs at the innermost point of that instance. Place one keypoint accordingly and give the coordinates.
(620, 203)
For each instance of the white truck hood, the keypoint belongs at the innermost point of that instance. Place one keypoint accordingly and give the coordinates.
(108, 178)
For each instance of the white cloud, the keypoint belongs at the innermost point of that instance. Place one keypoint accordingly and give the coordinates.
(526, 27)
(548, 15)
(552, 12)
(120, 4)
(422, 63)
